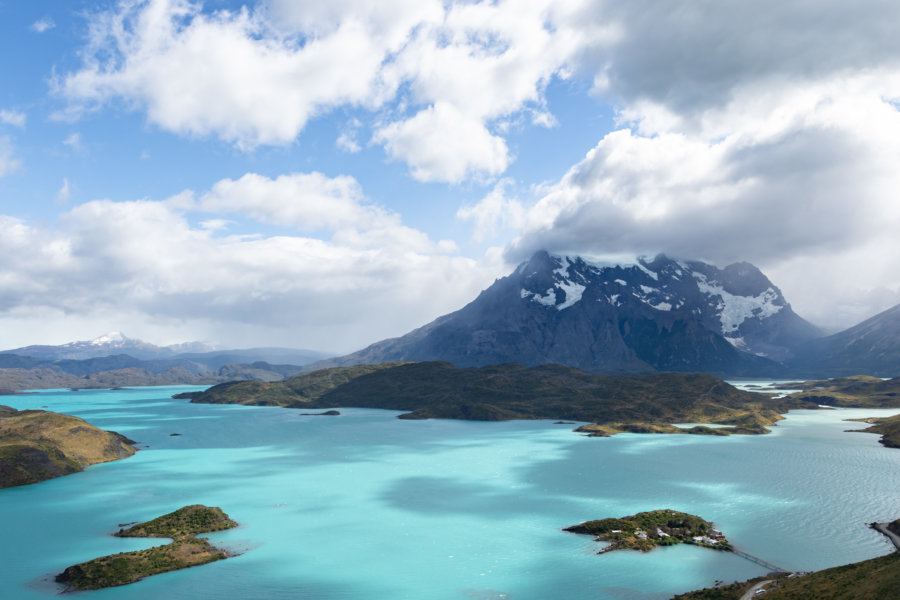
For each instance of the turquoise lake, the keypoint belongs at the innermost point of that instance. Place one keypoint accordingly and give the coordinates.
(366, 506)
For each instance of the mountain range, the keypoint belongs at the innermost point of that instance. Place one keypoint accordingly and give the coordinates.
(652, 315)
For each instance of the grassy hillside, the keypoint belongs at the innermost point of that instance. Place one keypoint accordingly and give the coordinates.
(888, 427)
(36, 445)
(511, 391)
(875, 579)
(860, 391)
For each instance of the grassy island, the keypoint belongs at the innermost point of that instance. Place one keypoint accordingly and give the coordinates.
(647, 530)
(36, 445)
(427, 390)
(185, 551)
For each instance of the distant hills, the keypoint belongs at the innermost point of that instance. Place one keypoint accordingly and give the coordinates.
(118, 344)
(871, 347)
(110, 361)
(658, 315)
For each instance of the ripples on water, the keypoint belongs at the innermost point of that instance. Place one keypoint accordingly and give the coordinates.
(365, 506)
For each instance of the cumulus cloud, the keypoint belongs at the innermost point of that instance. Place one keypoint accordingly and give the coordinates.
(786, 178)
(146, 262)
(257, 76)
(495, 212)
(442, 144)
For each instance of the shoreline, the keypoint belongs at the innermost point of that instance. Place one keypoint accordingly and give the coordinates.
(883, 529)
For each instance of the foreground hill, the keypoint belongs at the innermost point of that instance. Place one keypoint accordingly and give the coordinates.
(872, 347)
(36, 445)
(511, 391)
(653, 315)
(875, 579)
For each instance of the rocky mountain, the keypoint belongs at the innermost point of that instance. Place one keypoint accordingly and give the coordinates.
(871, 347)
(652, 315)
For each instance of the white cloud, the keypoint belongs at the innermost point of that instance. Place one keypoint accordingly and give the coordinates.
(42, 25)
(142, 266)
(73, 141)
(782, 177)
(64, 193)
(495, 212)
(442, 144)
(257, 76)
(12, 117)
(8, 161)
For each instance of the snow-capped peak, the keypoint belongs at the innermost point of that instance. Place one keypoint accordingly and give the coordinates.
(113, 337)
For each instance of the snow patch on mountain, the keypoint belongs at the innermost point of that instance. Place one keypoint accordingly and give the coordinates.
(548, 299)
(113, 337)
(640, 265)
(573, 294)
(734, 310)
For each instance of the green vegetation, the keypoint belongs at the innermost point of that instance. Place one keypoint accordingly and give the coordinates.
(185, 551)
(875, 579)
(858, 391)
(731, 591)
(888, 427)
(183, 523)
(36, 445)
(502, 392)
(644, 531)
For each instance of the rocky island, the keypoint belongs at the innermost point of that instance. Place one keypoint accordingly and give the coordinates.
(36, 445)
(644, 404)
(186, 550)
(647, 530)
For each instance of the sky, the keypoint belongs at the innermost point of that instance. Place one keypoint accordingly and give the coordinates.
(324, 175)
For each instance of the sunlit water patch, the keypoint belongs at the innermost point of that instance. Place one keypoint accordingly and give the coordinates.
(366, 506)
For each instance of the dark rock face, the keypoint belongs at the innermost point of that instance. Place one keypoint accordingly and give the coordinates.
(657, 315)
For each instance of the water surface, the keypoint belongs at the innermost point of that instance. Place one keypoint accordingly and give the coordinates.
(366, 506)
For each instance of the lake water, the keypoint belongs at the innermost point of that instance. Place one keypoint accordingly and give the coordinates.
(365, 506)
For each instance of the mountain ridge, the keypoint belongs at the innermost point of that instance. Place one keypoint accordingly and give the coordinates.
(649, 316)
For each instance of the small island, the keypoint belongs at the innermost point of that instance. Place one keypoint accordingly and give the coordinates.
(647, 530)
(186, 550)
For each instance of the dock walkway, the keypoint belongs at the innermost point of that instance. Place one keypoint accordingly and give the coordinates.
(759, 561)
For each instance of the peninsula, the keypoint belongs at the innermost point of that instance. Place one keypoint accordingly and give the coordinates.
(614, 404)
(888, 427)
(36, 445)
(186, 550)
(647, 530)
(858, 391)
